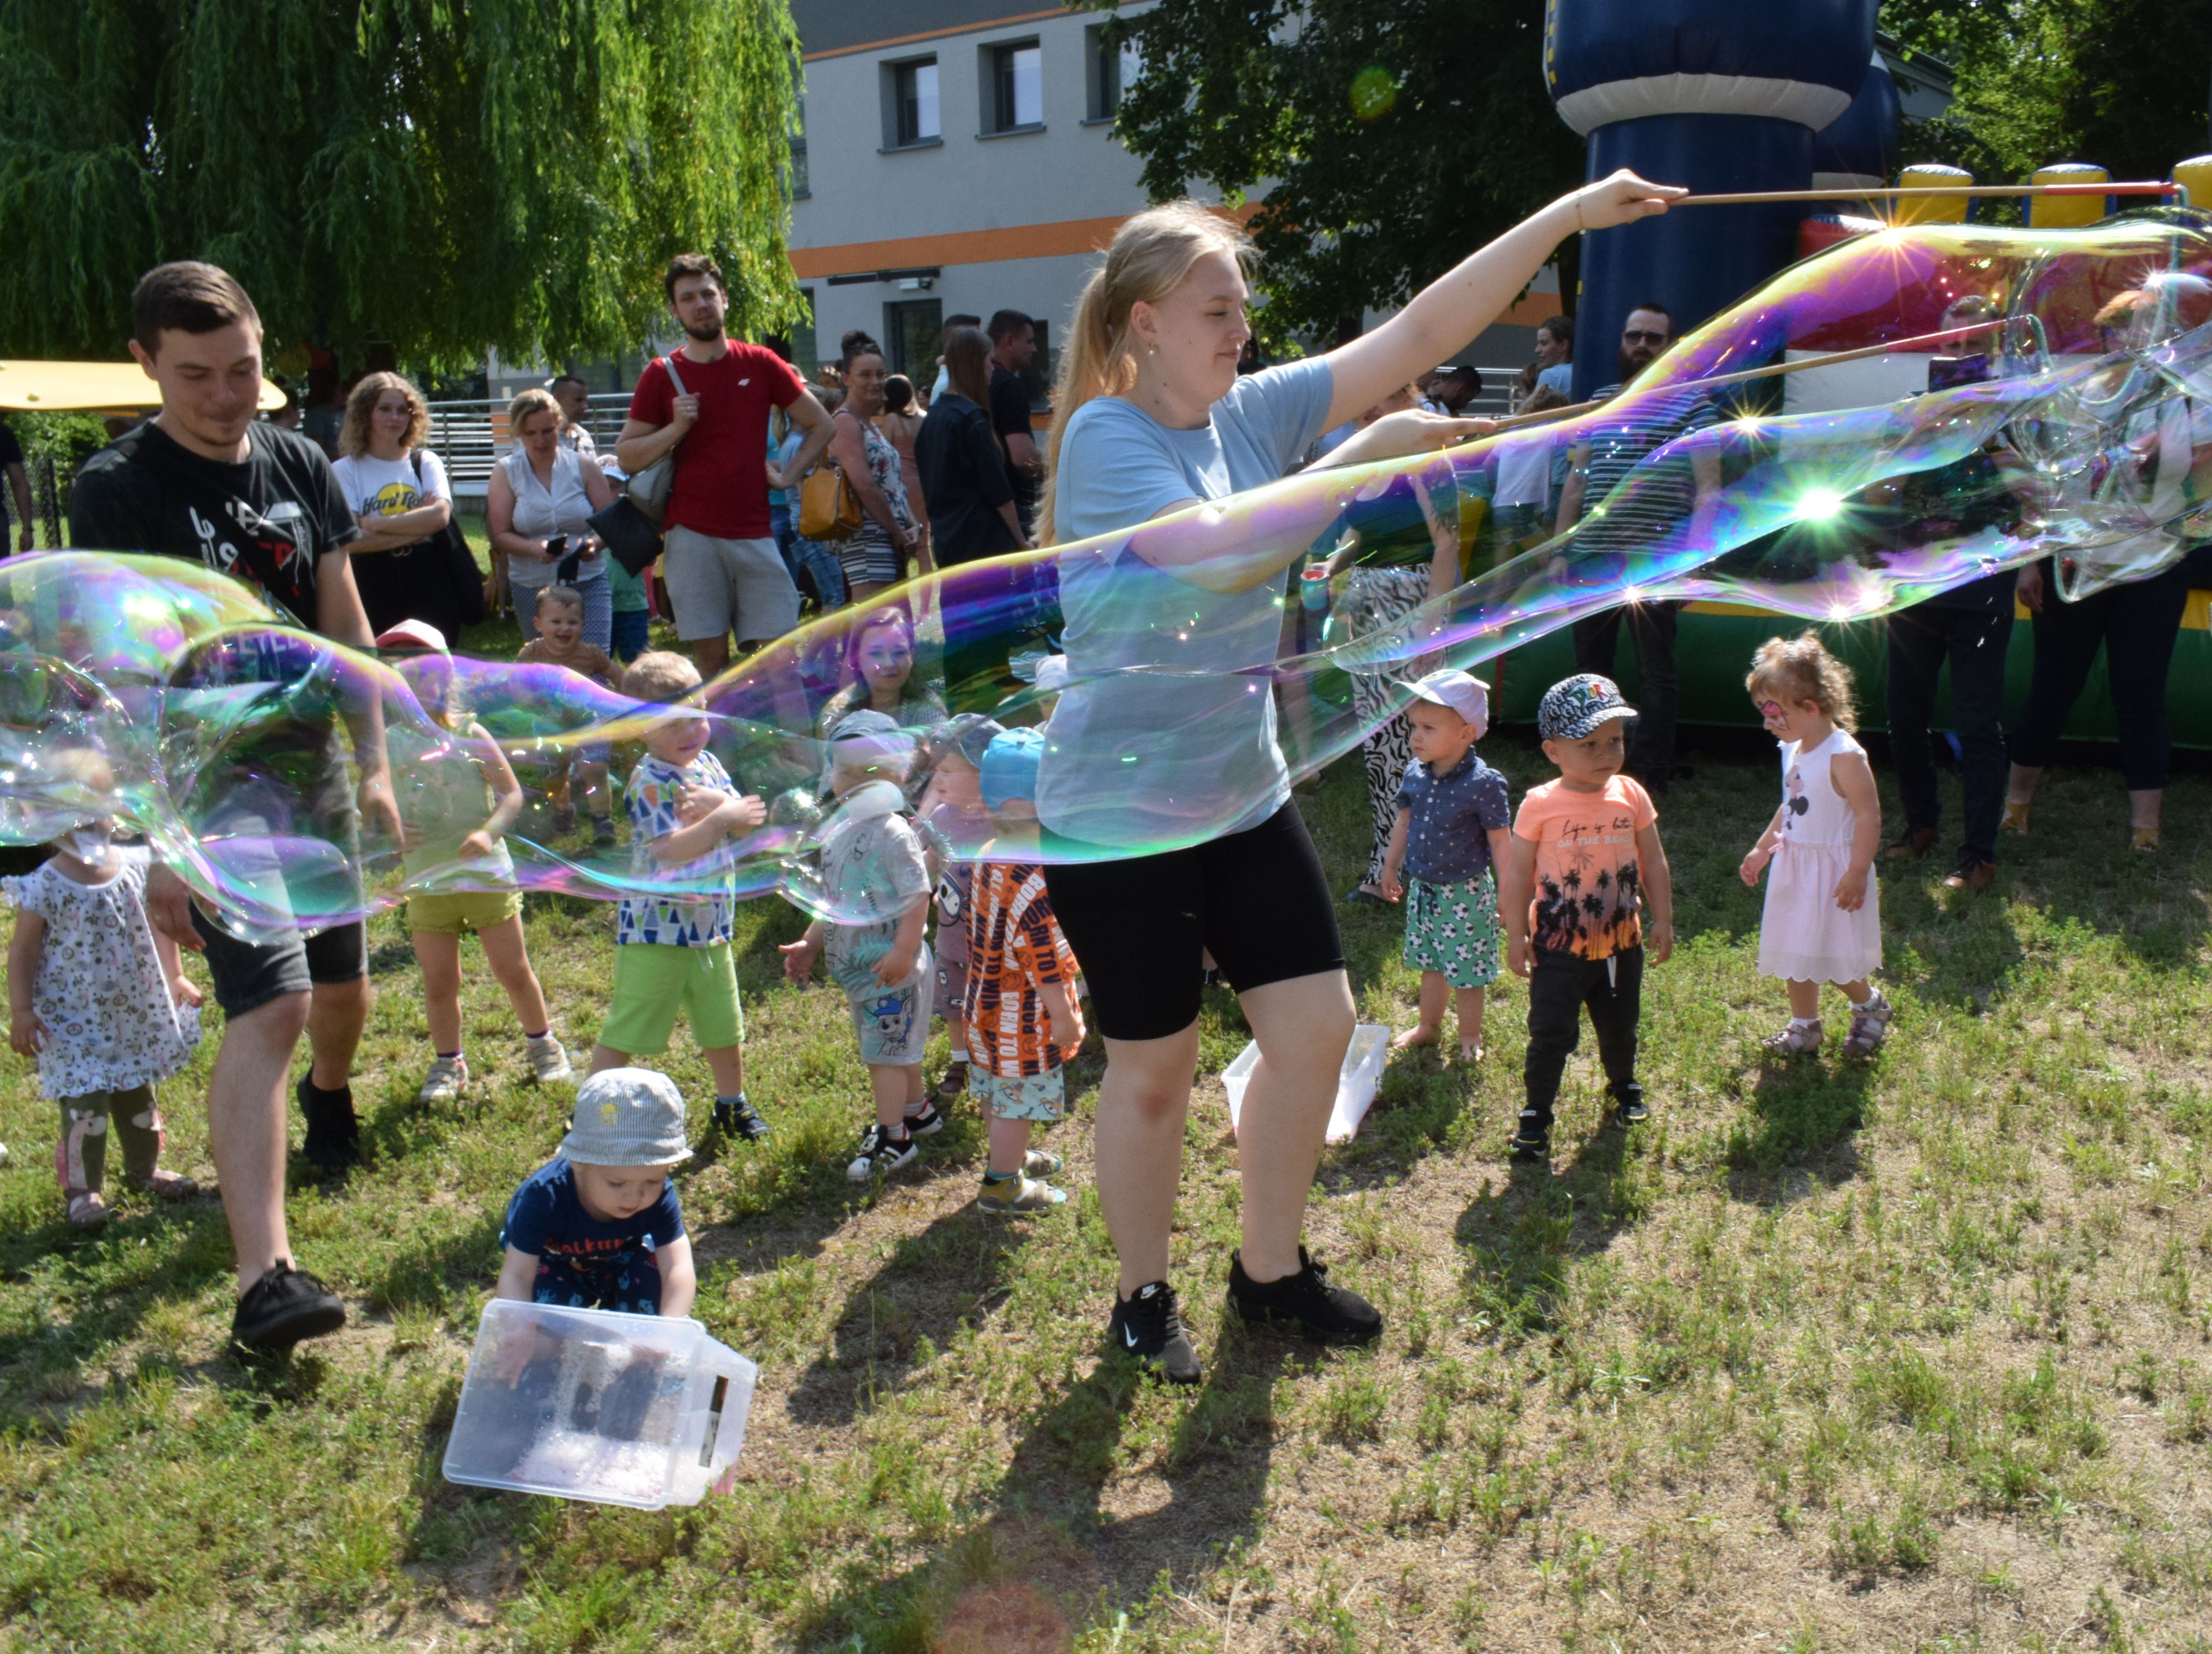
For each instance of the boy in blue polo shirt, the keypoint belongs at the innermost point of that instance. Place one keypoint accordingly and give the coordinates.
(1450, 833)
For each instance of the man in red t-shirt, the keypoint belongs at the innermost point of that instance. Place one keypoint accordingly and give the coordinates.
(725, 574)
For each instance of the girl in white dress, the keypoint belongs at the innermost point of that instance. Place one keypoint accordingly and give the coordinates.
(1823, 920)
(100, 999)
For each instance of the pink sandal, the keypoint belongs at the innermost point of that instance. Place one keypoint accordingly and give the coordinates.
(86, 1208)
(165, 1185)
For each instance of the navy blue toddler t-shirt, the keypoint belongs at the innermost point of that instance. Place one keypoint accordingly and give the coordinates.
(583, 1263)
(1449, 819)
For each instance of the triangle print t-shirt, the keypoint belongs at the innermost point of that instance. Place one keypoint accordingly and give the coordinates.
(268, 520)
(1590, 891)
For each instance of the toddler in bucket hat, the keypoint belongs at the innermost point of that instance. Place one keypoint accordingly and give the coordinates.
(600, 1227)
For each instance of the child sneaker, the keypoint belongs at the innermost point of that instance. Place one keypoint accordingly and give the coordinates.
(603, 831)
(548, 1061)
(1531, 1142)
(1797, 1039)
(1035, 1163)
(738, 1118)
(881, 1153)
(447, 1080)
(1869, 1026)
(926, 1122)
(1018, 1194)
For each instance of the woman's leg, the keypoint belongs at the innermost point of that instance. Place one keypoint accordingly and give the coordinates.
(1303, 1026)
(2146, 619)
(439, 954)
(2066, 639)
(1143, 1103)
(509, 959)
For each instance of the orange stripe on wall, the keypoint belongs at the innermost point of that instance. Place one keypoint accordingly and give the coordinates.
(936, 33)
(1070, 235)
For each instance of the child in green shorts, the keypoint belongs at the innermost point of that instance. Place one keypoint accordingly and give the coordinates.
(1450, 837)
(672, 952)
(458, 796)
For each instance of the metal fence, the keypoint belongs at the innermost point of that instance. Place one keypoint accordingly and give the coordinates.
(471, 437)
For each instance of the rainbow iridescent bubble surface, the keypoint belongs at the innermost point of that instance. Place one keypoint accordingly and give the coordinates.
(1196, 687)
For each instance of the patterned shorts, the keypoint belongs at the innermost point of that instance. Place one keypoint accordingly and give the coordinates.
(1454, 929)
(1026, 1096)
(893, 1022)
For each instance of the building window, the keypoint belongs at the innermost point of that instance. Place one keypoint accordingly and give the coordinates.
(1016, 84)
(913, 111)
(806, 353)
(911, 328)
(797, 175)
(1109, 72)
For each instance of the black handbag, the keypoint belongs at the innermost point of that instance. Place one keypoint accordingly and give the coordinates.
(632, 540)
(448, 551)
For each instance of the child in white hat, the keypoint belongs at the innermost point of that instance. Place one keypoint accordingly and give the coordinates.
(1449, 837)
(599, 1227)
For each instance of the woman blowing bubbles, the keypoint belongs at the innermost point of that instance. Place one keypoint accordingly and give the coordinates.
(1153, 420)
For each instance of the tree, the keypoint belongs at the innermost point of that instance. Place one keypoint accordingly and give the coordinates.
(2120, 82)
(1400, 135)
(436, 176)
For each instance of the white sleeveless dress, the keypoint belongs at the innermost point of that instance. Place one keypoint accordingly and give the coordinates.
(1805, 937)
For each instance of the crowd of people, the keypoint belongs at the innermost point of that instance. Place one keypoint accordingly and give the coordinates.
(785, 495)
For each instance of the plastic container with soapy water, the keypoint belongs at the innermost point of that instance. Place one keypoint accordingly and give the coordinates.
(641, 1410)
(1357, 1082)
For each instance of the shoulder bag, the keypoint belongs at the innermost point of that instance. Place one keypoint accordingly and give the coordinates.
(828, 508)
(448, 551)
(631, 525)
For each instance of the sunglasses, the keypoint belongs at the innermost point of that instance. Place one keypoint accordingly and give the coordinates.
(1638, 336)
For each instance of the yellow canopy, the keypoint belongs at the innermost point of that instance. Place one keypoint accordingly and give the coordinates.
(97, 386)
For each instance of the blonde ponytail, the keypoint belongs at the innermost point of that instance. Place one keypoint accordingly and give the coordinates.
(1151, 255)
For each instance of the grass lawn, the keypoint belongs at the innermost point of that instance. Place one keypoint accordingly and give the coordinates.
(1912, 1355)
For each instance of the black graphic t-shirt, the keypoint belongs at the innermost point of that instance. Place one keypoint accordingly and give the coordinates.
(267, 521)
(585, 1263)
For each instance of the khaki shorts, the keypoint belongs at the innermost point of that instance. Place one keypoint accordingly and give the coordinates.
(736, 587)
(449, 913)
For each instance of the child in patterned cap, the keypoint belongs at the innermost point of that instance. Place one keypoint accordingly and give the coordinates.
(1448, 838)
(1586, 864)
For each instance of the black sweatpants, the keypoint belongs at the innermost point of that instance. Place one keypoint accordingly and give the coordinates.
(1659, 705)
(1560, 984)
(1922, 639)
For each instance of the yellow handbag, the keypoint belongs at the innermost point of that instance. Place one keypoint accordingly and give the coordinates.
(828, 508)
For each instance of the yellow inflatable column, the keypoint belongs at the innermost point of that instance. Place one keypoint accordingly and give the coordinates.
(2196, 177)
(2067, 211)
(1940, 205)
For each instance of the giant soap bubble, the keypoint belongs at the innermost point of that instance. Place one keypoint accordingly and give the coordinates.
(1190, 684)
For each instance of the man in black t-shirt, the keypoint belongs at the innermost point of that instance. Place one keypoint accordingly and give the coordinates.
(206, 481)
(19, 485)
(1013, 346)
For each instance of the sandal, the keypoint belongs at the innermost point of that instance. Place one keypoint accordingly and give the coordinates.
(165, 1185)
(2146, 838)
(1469, 1053)
(2015, 819)
(1869, 1026)
(955, 1079)
(1797, 1039)
(86, 1208)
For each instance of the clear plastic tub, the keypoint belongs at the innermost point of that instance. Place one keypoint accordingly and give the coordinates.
(640, 1410)
(1357, 1083)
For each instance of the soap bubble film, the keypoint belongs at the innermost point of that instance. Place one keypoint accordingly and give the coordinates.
(1185, 671)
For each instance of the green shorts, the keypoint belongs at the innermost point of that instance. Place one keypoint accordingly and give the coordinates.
(653, 980)
(449, 913)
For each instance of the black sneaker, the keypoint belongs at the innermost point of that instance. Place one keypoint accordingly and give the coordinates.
(333, 1142)
(1628, 1107)
(1325, 1314)
(1148, 1328)
(739, 1119)
(880, 1153)
(1531, 1142)
(281, 1308)
(930, 1121)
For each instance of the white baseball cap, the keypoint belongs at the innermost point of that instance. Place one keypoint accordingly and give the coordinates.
(1467, 695)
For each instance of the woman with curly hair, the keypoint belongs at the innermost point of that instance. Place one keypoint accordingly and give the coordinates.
(396, 489)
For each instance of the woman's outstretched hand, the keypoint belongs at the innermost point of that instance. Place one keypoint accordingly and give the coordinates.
(1621, 199)
(1411, 430)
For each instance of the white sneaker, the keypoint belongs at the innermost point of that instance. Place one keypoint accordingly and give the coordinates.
(548, 1061)
(448, 1079)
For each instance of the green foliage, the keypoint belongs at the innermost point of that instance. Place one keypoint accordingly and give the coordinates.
(436, 176)
(2123, 83)
(1401, 135)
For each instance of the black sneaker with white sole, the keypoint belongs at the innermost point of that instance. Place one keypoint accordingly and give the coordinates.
(284, 1307)
(1628, 1107)
(880, 1154)
(739, 1119)
(929, 1120)
(1148, 1328)
(1304, 1302)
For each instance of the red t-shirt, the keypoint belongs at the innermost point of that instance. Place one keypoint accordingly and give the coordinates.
(721, 485)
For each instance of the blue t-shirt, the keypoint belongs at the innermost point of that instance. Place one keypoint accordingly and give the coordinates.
(1449, 818)
(1186, 750)
(583, 1263)
(1560, 377)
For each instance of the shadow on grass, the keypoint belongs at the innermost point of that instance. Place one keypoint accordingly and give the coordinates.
(1800, 1127)
(1519, 1236)
(1048, 1554)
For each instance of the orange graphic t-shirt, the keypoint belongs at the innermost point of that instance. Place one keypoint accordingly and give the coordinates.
(1590, 894)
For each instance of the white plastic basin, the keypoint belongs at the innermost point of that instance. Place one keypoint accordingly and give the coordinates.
(1356, 1084)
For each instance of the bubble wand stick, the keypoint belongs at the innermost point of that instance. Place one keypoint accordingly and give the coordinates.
(1754, 198)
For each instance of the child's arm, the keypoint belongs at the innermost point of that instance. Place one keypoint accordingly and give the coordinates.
(1855, 782)
(1067, 1029)
(26, 1032)
(1658, 892)
(1755, 859)
(679, 1278)
(1393, 857)
(182, 990)
(798, 957)
(897, 964)
(518, 1276)
(506, 792)
(1514, 891)
(733, 813)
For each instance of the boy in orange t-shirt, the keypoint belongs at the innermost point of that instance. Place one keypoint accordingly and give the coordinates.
(1586, 863)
